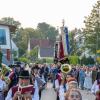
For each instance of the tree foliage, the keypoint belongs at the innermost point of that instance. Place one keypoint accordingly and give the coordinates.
(47, 31)
(87, 61)
(75, 42)
(10, 21)
(22, 35)
(92, 29)
(74, 60)
(34, 54)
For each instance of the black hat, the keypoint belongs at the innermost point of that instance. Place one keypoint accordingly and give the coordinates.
(24, 74)
(35, 67)
(11, 66)
(16, 65)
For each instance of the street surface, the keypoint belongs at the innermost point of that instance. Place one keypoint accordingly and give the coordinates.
(87, 95)
(51, 95)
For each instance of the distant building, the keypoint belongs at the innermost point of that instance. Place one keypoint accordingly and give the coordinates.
(6, 44)
(45, 48)
(40, 42)
(44, 52)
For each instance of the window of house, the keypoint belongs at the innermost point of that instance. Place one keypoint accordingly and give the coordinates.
(2, 37)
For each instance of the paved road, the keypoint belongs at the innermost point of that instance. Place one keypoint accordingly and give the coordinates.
(51, 95)
(87, 95)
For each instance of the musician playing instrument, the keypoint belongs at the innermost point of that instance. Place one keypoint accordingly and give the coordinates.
(3, 87)
(24, 90)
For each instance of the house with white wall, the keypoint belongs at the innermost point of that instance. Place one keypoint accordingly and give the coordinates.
(6, 44)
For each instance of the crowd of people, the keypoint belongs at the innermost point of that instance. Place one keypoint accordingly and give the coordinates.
(48, 82)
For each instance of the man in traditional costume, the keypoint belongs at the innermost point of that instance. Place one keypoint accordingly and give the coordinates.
(37, 80)
(3, 87)
(24, 90)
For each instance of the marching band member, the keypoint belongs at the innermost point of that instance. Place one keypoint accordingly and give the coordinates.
(60, 86)
(38, 81)
(18, 93)
(13, 76)
(71, 83)
(96, 86)
(3, 87)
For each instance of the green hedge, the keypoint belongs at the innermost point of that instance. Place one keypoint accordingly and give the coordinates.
(24, 59)
(74, 60)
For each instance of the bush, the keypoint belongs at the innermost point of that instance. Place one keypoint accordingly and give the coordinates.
(74, 60)
(23, 59)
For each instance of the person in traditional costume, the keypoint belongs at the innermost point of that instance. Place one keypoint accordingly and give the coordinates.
(13, 76)
(71, 83)
(94, 74)
(81, 78)
(37, 80)
(88, 79)
(60, 85)
(96, 86)
(3, 87)
(24, 90)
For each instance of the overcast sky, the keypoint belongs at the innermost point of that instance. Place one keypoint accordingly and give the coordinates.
(32, 12)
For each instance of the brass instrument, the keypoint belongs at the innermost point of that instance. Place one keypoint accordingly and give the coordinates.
(65, 69)
(4, 70)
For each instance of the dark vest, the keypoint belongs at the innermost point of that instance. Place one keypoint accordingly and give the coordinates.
(15, 89)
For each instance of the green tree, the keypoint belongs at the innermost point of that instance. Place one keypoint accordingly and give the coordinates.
(92, 29)
(75, 41)
(47, 31)
(10, 21)
(34, 53)
(74, 60)
(22, 38)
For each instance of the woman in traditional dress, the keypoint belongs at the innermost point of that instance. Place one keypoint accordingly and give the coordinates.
(88, 79)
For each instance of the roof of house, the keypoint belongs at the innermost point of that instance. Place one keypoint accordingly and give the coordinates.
(46, 52)
(11, 27)
(40, 42)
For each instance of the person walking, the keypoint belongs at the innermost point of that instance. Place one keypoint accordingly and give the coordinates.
(88, 79)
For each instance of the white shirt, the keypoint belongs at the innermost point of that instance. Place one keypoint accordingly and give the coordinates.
(2, 85)
(95, 87)
(34, 97)
(61, 93)
(57, 84)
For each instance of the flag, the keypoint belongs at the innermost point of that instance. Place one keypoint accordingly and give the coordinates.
(61, 50)
(67, 40)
